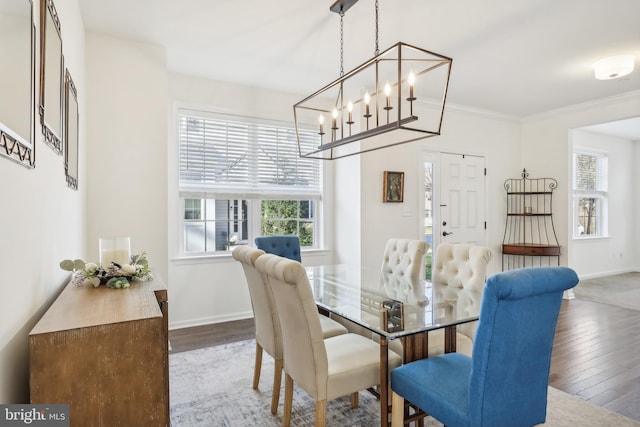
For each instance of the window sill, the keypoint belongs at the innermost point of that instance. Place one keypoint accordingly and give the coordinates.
(589, 238)
(226, 257)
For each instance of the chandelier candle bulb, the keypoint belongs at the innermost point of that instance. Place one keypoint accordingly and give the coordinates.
(350, 110)
(411, 79)
(334, 126)
(387, 92)
(367, 114)
(321, 121)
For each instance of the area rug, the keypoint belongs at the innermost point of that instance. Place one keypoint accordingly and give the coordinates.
(622, 290)
(211, 387)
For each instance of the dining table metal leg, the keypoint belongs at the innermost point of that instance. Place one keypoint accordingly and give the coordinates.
(450, 339)
(384, 382)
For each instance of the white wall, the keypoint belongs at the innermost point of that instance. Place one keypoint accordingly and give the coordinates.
(127, 150)
(546, 152)
(42, 221)
(613, 254)
(635, 204)
(213, 289)
(348, 196)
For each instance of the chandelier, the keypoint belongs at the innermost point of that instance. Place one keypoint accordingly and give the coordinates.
(397, 96)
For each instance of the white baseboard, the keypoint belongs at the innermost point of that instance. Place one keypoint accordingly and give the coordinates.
(608, 273)
(209, 320)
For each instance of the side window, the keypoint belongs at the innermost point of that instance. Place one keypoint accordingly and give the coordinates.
(590, 194)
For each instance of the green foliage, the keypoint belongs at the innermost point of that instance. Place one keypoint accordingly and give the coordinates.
(283, 217)
(427, 264)
(116, 276)
(69, 265)
(118, 283)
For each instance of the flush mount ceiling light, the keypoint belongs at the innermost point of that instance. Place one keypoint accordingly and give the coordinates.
(614, 67)
(398, 96)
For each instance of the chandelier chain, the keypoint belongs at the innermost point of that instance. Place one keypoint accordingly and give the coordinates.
(377, 51)
(341, 43)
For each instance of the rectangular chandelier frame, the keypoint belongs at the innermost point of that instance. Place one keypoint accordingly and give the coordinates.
(396, 97)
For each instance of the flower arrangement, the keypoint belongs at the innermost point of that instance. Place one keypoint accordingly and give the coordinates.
(114, 275)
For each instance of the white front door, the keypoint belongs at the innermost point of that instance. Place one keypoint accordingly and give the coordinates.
(461, 217)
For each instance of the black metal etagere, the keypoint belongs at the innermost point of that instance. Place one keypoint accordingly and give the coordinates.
(529, 235)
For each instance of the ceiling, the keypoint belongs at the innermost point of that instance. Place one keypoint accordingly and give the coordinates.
(625, 128)
(517, 58)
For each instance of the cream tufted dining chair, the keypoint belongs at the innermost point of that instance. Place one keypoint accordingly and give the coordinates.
(267, 324)
(403, 258)
(459, 267)
(400, 277)
(325, 368)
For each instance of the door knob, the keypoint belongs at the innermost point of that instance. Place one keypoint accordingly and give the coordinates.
(445, 234)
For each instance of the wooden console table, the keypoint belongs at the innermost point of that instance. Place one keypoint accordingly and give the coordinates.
(105, 353)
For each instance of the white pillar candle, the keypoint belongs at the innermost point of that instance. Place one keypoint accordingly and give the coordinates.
(114, 249)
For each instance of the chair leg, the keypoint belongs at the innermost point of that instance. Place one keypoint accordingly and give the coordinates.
(257, 366)
(288, 400)
(397, 412)
(321, 410)
(277, 378)
(354, 400)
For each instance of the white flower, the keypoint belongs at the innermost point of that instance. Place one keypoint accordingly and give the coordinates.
(128, 268)
(234, 239)
(90, 267)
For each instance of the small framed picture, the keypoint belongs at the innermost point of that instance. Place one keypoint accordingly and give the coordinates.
(393, 187)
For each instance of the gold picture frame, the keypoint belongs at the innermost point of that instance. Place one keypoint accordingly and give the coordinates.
(393, 187)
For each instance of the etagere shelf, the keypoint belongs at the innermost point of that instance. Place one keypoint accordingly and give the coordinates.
(529, 236)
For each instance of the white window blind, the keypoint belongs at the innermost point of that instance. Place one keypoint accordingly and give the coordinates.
(237, 157)
(590, 198)
(591, 172)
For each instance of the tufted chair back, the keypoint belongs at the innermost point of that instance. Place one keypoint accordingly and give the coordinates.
(284, 246)
(461, 267)
(403, 260)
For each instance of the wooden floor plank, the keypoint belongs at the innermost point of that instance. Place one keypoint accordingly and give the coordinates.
(595, 355)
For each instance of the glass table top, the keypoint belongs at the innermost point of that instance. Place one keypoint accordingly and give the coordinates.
(390, 305)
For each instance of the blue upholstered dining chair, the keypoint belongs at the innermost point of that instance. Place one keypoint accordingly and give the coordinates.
(505, 382)
(284, 246)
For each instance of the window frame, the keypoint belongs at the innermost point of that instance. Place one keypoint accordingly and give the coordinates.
(600, 194)
(253, 199)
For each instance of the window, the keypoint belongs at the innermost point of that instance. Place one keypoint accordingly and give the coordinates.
(242, 177)
(590, 176)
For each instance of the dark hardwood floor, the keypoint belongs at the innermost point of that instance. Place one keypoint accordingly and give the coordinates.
(188, 339)
(595, 354)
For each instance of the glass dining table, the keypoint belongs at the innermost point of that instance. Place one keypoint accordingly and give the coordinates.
(392, 307)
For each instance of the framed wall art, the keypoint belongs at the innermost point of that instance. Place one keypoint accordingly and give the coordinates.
(393, 187)
(51, 76)
(17, 81)
(71, 133)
